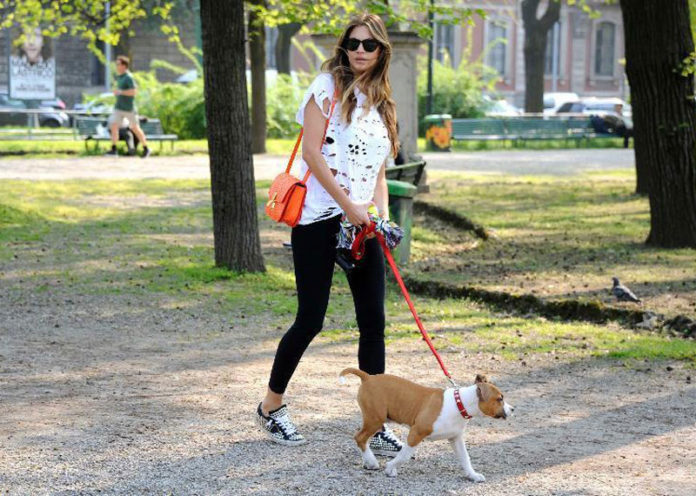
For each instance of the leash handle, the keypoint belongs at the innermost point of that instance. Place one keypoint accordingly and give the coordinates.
(397, 275)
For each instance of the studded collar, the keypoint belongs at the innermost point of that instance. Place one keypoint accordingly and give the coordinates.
(460, 405)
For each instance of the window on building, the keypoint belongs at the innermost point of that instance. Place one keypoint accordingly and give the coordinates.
(497, 46)
(444, 43)
(604, 49)
(271, 39)
(548, 60)
(98, 72)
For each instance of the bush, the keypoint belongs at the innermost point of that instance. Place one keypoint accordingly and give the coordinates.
(458, 92)
(283, 97)
(180, 107)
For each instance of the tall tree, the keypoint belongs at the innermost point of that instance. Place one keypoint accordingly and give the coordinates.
(282, 47)
(235, 222)
(536, 31)
(257, 55)
(658, 39)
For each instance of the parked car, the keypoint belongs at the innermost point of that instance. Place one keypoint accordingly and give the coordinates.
(49, 117)
(501, 108)
(554, 100)
(595, 106)
(188, 77)
(102, 104)
(56, 103)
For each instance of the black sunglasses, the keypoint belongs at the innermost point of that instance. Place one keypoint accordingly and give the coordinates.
(370, 45)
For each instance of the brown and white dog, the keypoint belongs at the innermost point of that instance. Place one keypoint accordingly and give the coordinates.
(431, 413)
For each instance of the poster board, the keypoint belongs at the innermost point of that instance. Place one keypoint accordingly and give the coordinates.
(32, 66)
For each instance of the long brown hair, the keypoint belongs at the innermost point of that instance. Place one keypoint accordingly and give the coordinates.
(374, 82)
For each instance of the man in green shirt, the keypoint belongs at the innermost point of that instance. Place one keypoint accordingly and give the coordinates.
(125, 107)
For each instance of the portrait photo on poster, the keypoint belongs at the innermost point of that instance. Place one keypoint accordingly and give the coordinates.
(32, 65)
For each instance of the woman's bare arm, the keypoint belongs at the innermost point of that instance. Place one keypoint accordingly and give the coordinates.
(381, 196)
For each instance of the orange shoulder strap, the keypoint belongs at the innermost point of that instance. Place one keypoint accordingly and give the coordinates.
(299, 139)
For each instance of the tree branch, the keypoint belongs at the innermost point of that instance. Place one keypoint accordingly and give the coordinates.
(552, 14)
(529, 10)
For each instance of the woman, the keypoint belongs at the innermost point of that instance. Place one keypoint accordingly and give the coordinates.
(347, 177)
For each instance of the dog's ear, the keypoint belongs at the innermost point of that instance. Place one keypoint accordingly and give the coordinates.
(483, 391)
(480, 378)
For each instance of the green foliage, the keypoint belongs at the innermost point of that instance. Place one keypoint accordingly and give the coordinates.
(180, 107)
(85, 19)
(456, 91)
(282, 100)
(331, 16)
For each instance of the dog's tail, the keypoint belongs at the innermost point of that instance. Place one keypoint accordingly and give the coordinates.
(351, 370)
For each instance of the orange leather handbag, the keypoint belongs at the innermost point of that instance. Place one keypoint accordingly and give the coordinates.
(287, 193)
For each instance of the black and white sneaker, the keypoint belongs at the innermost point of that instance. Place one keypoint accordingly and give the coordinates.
(111, 153)
(279, 427)
(385, 443)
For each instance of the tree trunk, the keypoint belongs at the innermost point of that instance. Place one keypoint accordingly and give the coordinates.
(535, 34)
(257, 54)
(282, 48)
(235, 223)
(534, 56)
(658, 38)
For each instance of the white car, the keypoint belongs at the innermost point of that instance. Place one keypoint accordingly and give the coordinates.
(553, 101)
(501, 108)
(596, 106)
(103, 104)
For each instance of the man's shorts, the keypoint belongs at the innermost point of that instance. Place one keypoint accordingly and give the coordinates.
(119, 116)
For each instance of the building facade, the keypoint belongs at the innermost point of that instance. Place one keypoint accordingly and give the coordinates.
(584, 55)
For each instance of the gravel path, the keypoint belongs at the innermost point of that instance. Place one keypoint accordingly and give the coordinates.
(115, 394)
(555, 162)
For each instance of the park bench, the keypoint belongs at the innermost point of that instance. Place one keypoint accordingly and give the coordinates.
(479, 130)
(96, 129)
(409, 173)
(536, 129)
(573, 128)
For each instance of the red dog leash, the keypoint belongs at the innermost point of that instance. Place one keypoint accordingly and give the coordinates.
(357, 251)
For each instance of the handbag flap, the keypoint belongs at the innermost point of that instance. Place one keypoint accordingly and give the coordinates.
(282, 186)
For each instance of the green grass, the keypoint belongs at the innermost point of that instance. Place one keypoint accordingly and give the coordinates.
(33, 149)
(464, 146)
(555, 238)
(152, 240)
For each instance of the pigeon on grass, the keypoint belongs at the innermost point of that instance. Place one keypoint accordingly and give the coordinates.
(622, 293)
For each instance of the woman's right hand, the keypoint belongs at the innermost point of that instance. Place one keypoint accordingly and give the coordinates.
(357, 213)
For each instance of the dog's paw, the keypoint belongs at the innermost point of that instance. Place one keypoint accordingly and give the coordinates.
(390, 469)
(476, 477)
(370, 463)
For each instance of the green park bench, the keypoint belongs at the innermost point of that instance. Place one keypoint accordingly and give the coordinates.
(95, 129)
(540, 129)
(479, 130)
(525, 128)
(410, 173)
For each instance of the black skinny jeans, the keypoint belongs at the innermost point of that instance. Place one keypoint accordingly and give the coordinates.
(314, 255)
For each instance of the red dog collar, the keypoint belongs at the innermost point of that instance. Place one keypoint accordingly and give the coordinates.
(460, 405)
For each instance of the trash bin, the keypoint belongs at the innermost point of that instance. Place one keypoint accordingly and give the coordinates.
(401, 211)
(438, 132)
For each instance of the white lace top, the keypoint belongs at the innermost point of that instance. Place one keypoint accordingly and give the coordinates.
(354, 153)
